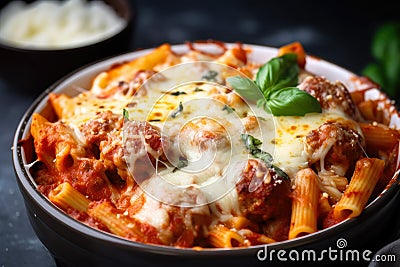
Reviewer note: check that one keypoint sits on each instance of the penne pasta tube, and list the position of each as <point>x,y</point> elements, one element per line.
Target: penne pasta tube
<point>340,182</point>
<point>323,205</point>
<point>125,71</point>
<point>379,136</point>
<point>366,174</point>
<point>63,159</point>
<point>149,61</point>
<point>369,111</point>
<point>117,223</point>
<point>62,105</point>
<point>39,127</point>
<point>305,204</point>
<point>38,124</point>
<point>296,48</point>
<point>265,239</point>
<point>223,237</point>
<point>66,196</point>
<point>238,222</point>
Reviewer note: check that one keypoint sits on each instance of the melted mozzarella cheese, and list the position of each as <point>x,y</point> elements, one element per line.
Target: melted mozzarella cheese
<point>210,140</point>
<point>287,144</point>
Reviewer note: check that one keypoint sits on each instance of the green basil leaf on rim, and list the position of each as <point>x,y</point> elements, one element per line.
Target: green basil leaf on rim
<point>292,101</point>
<point>278,73</point>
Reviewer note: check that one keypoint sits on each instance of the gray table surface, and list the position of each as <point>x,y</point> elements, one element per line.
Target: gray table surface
<point>337,31</point>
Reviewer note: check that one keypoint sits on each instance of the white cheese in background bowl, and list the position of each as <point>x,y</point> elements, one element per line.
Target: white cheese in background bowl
<point>46,24</point>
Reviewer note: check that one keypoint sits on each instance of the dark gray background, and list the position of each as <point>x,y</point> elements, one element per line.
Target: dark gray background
<point>338,31</point>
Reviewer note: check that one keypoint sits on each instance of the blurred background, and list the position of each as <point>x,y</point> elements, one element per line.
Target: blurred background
<point>341,32</point>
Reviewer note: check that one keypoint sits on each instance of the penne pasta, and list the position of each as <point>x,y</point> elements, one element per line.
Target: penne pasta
<point>369,111</point>
<point>223,237</point>
<point>65,196</point>
<point>185,160</point>
<point>379,136</point>
<point>63,158</point>
<point>39,127</point>
<point>367,173</point>
<point>340,182</point>
<point>62,105</point>
<point>124,72</point>
<point>305,204</point>
<point>265,239</point>
<point>117,223</point>
<point>296,48</point>
<point>324,207</point>
<point>104,213</point>
<point>238,222</point>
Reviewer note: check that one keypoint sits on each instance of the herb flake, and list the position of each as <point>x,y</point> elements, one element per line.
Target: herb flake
<point>178,111</point>
<point>210,76</point>
<point>125,113</point>
<point>182,163</point>
<point>176,93</point>
<point>229,109</point>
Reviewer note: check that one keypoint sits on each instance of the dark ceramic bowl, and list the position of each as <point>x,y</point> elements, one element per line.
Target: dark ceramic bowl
<point>34,70</point>
<point>72,243</point>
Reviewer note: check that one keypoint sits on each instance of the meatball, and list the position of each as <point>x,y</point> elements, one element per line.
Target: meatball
<point>143,144</point>
<point>99,128</point>
<point>265,201</point>
<point>202,135</point>
<point>331,96</point>
<point>336,146</point>
<point>137,131</point>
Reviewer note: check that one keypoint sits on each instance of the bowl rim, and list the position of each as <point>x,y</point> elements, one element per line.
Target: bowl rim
<point>25,182</point>
<point>128,18</point>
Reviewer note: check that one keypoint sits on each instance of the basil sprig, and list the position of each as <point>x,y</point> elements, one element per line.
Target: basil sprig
<point>252,145</point>
<point>385,67</point>
<point>275,88</point>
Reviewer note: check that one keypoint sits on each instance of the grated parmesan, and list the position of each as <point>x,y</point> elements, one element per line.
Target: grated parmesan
<point>57,24</point>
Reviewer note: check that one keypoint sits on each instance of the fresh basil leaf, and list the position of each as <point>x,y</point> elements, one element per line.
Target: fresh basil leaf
<point>245,87</point>
<point>274,88</point>
<point>262,103</point>
<point>292,101</point>
<point>278,73</point>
